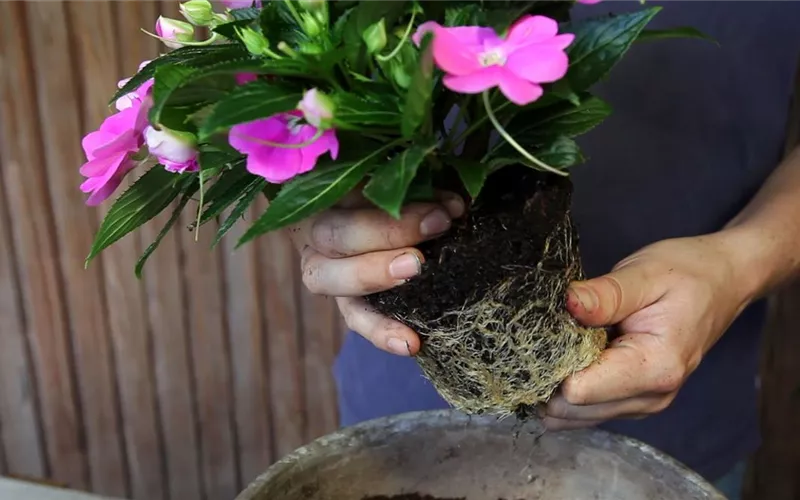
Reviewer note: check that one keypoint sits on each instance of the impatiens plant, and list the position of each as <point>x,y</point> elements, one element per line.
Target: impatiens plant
<point>306,101</point>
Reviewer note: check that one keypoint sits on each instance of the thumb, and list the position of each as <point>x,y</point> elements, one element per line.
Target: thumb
<point>609,299</point>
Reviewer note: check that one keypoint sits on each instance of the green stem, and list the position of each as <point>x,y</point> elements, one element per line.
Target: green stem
<point>294,12</point>
<point>402,41</point>
<point>478,123</point>
<point>510,140</point>
<point>199,43</point>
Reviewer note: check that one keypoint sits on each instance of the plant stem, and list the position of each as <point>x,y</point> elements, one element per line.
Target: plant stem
<point>294,12</point>
<point>200,206</point>
<point>510,140</point>
<point>402,41</point>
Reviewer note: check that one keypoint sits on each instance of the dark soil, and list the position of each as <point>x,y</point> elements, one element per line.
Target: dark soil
<point>505,228</point>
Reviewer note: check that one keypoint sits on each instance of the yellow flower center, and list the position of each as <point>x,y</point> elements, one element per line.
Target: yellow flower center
<point>493,57</point>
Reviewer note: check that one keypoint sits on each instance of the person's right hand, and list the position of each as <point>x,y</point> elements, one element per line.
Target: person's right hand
<point>356,249</point>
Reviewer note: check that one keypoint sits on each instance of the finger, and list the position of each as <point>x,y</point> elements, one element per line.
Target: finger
<point>344,232</point>
<point>384,333</point>
<point>634,365</point>
<point>559,407</point>
<point>611,298</point>
<point>558,424</point>
<point>361,274</point>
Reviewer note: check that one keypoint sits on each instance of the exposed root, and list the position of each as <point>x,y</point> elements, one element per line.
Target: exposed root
<point>508,350</point>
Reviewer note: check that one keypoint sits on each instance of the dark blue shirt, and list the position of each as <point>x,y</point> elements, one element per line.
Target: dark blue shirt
<point>696,129</point>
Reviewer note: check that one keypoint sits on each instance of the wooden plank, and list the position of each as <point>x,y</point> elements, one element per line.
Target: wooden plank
<point>36,241</point>
<point>20,438</point>
<point>319,331</point>
<point>248,353</point>
<point>281,310</point>
<point>211,362</point>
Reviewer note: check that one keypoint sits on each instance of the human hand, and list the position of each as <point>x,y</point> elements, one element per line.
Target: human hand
<point>356,249</point>
<point>670,302</point>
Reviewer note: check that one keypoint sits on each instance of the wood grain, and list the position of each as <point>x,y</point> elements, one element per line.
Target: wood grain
<point>249,355</point>
<point>211,362</point>
<point>20,439</point>
<point>40,279</point>
<point>281,311</point>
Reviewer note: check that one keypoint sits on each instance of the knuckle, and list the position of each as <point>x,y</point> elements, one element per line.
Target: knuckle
<point>368,277</point>
<point>327,234</point>
<point>312,278</point>
<point>671,376</point>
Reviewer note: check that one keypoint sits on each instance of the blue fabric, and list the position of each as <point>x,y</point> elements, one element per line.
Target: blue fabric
<point>732,484</point>
<point>695,131</point>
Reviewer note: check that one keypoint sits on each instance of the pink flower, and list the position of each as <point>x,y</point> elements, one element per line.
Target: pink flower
<point>175,150</point>
<point>240,4</point>
<point>282,146</point>
<point>476,59</point>
<point>174,33</point>
<point>110,150</point>
<point>242,78</point>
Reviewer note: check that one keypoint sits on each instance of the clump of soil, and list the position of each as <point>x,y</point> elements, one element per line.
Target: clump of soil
<point>490,302</point>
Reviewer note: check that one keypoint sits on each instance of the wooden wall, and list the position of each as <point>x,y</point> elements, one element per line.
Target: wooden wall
<point>182,386</point>
<point>189,383</point>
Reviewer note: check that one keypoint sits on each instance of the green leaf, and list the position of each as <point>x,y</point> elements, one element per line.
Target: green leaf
<point>679,32</point>
<point>389,183</point>
<point>245,14</point>
<point>225,192</point>
<point>355,111</point>
<point>249,102</point>
<point>369,13</point>
<point>462,15</point>
<point>417,107</point>
<point>186,194</point>
<point>246,198</point>
<point>186,56</point>
<point>421,188</point>
<point>279,25</point>
<point>145,199</point>
<point>312,192</point>
<point>600,43</point>
<point>167,80</point>
<point>561,153</point>
<point>229,30</point>
<point>472,173</point>
<point>542,125</point>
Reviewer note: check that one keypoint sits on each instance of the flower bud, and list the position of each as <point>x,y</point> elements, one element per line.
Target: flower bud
<point>175,150</point>
<point>173,32</point>
<point>312,5</point>
<point>317,109</point>
<point>310,24</point>
<point>198,12</point>
<point>375,37</point>
<point>256,43</point>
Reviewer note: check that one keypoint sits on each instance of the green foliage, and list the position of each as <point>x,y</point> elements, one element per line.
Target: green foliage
<point>389,107</point>
<point>145,199</point>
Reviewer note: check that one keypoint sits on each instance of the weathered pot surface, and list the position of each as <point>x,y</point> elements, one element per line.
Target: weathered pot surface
<point>447,454</point>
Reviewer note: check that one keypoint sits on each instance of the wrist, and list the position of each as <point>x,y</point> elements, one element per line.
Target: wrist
<point>760,260</point>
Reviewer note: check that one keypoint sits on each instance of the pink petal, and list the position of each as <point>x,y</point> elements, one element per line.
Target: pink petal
<point>538,63</point>
<point>242,78</point>
<point>278,165</point>
<point>325,143</point>
<point>531,29</point>
<point>101,187</point>
<point>517,90</point>
<point>99,166</point>
<point>457,55</point>
<point>426,27</point>
<point>474,83</point>
<point>245,137</point>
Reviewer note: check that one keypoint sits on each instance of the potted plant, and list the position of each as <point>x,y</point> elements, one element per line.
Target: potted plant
<point>305,101</point>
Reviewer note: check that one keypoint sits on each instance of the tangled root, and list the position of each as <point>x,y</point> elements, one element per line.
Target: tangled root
<point>505,352</point>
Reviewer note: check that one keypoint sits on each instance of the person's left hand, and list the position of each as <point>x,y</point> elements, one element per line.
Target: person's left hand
<point>670,302</point>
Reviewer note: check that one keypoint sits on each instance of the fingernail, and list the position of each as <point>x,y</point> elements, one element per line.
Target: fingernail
<point>398,346</point>
<point>585,296</point>
<point>435,223</point>
<point>405,266</point>
<point>454,205</point>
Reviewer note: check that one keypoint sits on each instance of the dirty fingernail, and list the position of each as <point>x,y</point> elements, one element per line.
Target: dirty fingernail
<point>435,223</point>
<point>585,296</point>
<point>405,266</point>
<point>398,346</point>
